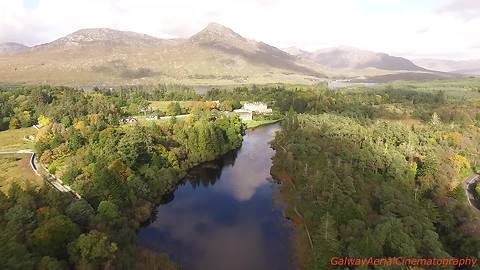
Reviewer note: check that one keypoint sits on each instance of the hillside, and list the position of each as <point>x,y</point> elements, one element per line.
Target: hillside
<point>462,67</point>
<point>352,58</point>
<point>11,47</point>
<point>215,55</point>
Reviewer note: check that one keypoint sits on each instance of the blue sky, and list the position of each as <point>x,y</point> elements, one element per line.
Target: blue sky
<point>30,4</point>
<point>415,29</point>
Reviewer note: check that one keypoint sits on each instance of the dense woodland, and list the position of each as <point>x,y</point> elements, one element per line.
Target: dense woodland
<point>366,171</point>
<point>121,172</point>
<point>380,173</point>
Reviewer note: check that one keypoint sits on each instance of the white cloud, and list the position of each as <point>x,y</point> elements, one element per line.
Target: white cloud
<point>465,9</point>
<point>407,28</point>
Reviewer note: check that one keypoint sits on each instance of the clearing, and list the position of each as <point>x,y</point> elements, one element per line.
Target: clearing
<point>16,139</point>
<point>16,168</point>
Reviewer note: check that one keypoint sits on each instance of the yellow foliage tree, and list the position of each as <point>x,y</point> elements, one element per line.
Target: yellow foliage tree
<point>461,164</point>
<point>80,125</point>
<point>44,121</point>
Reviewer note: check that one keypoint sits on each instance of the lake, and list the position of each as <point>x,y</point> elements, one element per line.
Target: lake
<point>226,214</point>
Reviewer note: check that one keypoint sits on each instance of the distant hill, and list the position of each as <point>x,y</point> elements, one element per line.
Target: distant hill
<point>103,37</point>
<point>352,58</point>
<point>215,55</point>
<point>11,47</point>
<point>102,56</point>
<point>462,67</point>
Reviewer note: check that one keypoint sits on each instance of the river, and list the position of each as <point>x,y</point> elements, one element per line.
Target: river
<point>223,216</point>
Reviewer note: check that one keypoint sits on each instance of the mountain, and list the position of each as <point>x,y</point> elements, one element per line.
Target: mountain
<point>105,57</point>
<point>103,37</point>
<point>352,58</point>
<point>215,55</point>
<point>221,38</point>
<point>462,67</point>
<point>12,47</point>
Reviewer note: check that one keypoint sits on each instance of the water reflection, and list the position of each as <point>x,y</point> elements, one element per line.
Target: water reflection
<point>223,216</point>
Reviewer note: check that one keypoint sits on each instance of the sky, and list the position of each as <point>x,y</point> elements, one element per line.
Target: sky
<point>411,28</point>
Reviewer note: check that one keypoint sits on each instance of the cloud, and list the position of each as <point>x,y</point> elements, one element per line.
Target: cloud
<point>391,26</point>
<point>465,9</point>
<point>475,45</point>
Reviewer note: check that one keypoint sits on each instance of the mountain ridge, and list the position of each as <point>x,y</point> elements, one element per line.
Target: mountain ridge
<point>12,47</point>
<point>469,67</point>
<point>216,54</point>
<point>354,58</point>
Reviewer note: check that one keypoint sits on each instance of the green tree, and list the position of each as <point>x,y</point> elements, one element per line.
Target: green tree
<point>49,263</point>
<point>14,255</point>
<point>52,236</point>
<point>108,212</point>
<point>174,108</point>
<point>80,212</point>
<point>92,251</point>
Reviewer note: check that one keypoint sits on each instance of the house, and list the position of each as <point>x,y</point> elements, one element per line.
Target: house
<point>128,120</point>
<point>257,107</point>
<point>245,115</point>
<point>151,117</point>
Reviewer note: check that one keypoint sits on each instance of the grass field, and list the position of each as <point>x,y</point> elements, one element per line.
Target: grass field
<point>16,168</point>
<point>162,105</point>
<point>256,123</point>
<point>15,139</point>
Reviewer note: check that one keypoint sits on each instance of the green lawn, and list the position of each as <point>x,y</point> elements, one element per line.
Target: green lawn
<point>162,105</point>
<point>15,139</point>
<point>256,123</point>
<point>16,168</point>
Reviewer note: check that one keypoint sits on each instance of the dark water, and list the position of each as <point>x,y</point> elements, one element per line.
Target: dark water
<point>223,217</point>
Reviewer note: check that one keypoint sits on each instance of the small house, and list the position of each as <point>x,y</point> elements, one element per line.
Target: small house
<point>151,117</point>
<point>128,120</point>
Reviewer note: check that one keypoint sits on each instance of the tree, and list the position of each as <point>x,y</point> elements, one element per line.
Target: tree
<point>66,121</point>
<point>226,106</point>
<point>44,121</point>
<point>92,250</point>
<point>80,212</point>
<point>107,212</point>
<point>135,147</point>
<point>49,263</point>
<point>14,255</point>
<point>174,108</point>
<point>52,236</point>
<point>75,140</point>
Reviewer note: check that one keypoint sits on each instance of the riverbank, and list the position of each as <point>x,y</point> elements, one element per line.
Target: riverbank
<point>252,124</point>
<point>301,241</point>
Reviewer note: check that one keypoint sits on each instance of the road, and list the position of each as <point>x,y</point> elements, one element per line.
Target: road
<point>469,188</point>
<point>176,116</point>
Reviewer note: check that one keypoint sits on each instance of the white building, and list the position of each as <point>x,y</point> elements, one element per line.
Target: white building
<point>151,117</point>
<point>245,115</point>
<point>257,107</point>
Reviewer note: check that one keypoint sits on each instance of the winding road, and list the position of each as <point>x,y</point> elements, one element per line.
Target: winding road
<point>469,187</point>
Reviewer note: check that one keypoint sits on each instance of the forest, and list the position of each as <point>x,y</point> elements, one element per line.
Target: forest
<point>120,171</point>
<point>380,173</point>
<point>372,171</point>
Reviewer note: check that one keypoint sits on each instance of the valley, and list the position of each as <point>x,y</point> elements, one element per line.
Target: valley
<point>239,135</point>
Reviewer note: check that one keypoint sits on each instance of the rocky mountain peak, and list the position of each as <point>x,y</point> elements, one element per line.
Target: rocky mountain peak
<point>106,36</point>
<point>215,32</point>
